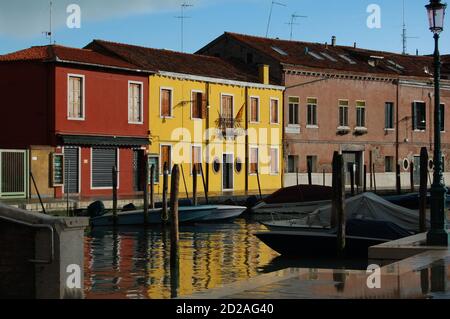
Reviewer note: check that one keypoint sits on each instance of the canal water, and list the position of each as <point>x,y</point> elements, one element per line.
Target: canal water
<point>134,262</point>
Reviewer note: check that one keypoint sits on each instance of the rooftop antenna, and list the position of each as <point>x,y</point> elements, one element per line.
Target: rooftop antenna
<point>270,14</point>
<point>292,22</point>
<point>404,33</point>
<point>182,17</point>
<point>49,34</point>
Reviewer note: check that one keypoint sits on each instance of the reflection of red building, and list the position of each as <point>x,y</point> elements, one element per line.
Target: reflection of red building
<point>74,101</point>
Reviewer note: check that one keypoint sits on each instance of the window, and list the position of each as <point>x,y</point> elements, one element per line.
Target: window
<point>166,103</point>
<point>294,105</point>
<point>227,109</point>
<point>312,112</point>
<point>274,112</point>
<point>311,162</point>
<point>279,51</point>
<point>442,118</point>
<point>153,161</point>
<point>166,157</point>
<point>274,167</point>
<point>292,166</point>
<point>196,159</point>
<point>361,114</point>
<point>389,164</point>
<point>76,98</point>
<point>254,109</point>
<point>419,116</point>
<point>389,115</point>
<point>103,160</point>
<point>135,103</point>
<point>253,160</point>
<point>343,113</point>
<point>198,105</point>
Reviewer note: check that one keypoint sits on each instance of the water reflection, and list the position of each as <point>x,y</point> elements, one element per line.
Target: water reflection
<point>135,263</point>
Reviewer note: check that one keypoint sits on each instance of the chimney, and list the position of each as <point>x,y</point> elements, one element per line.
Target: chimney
<point>354,45</point>
<point>264,71</point>
<point>333,41</point>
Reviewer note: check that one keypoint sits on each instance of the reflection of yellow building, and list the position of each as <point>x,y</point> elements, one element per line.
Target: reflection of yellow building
<point>200,109</point>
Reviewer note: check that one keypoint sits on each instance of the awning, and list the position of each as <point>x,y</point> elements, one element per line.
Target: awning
<point>104,140</point>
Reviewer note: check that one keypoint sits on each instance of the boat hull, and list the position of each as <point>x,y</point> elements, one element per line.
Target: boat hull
<point>313,244</point>
<point>289,208</point>
<point>223,213</point>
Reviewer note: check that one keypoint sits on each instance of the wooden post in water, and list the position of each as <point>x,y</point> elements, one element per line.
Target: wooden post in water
<point>114,190</point>
<point>374,178</point>
<point>259,184</point>
<point>152,187</point>
<point>165,190</point>
<point>423,190</point>
<point>205,187</point>
<point>398,181</point>
<point>324,179</point>
<point>184,182</point>
<point>145,184</point>
<point>371,170</point>
<point>411,177</point>
<point>309,173</point>
<point>296,174</point>
<point>352,181</point>
<point>174,227</point>
<point>338,209</point>
<point>365,179</point>
<point>194,186</point>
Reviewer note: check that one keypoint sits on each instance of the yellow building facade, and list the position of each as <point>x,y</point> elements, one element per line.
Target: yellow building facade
<point>232,129</point>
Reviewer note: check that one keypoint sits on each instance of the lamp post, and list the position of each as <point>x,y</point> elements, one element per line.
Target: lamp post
<point>437,235</point>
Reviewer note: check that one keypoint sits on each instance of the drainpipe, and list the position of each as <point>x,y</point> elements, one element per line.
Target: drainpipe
<point>208,136</point>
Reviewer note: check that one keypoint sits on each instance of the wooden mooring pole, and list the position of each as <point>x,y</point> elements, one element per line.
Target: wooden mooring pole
<point>165,190</point>
<point>309,173</point>
<point>114,190</point>
<point>338,203</point>
<point>352,181</point>
<point>411,177</point>
<point>184,182</point>
<point>145,184</point>
<point>174,233</point>
<point>205,187</point>
<point>259,184</point>
<point>423,190</point>
<point>296,174</point>
<point>398,181</point>
<point>324,178</point>
<point>374,178</point>
<point>194,186</point>
<point>365,179</point>
<point>152,187</point>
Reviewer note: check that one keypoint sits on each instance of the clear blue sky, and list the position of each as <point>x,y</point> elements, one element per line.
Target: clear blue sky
<point>153,23</point>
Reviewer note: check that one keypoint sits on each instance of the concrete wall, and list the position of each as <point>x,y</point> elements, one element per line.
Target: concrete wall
<point>30,265</point>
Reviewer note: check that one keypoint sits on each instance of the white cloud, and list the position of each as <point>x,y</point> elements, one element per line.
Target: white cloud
<point>31,17</point>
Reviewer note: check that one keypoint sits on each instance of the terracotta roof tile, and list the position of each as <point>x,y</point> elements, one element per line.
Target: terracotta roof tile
<point>53,53</point>
<point>342,58</point>
<point>176,62</point>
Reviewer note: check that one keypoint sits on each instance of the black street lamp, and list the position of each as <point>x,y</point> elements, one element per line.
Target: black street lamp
<point>437,235</point>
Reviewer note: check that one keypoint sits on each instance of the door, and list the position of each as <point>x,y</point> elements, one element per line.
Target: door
<point>228,178</point>
<point>71,170</point>
<point>13,174</point>
<point>138,163</point>
<point>353,161</point>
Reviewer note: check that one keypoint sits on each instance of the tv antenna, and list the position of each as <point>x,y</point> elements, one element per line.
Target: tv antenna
<point>270,14</point>
<point>49,34</point>
<point>405,36</point>
<point>182,17</point>
<point>292,22</point>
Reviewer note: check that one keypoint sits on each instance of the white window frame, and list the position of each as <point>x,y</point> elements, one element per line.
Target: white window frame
<point>289,110</point>
<point>118,170</point>
<point>221,103</point>
<point>192,105</point>
<point>278,110</point>
<point>250,110</point>
<point>201,157</point>
<point>250,148</point>
<point>161,164</point>
<point>83,96</point>
<point>79,168</point>
<point>416,130</point>
<point>233,170</point>
<point>141,111</point>
<point>339,112</point>
<point>274,147</point>
<point>393,116</point>
<point>171,102</point>
<point>365,113</point>
<point>317,115</point>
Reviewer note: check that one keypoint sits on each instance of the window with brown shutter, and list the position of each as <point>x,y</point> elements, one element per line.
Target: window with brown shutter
<point>253,160</point>
<point>135,103</point>
<point>254,109</point>
<point>76,107</point>
<point>166,157</point>
<point>197,105</point>
<point>227,110</point>
<point>166,103</point>
<point>274,112</point>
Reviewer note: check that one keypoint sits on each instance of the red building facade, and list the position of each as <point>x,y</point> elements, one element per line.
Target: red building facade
<point>87,106</point>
